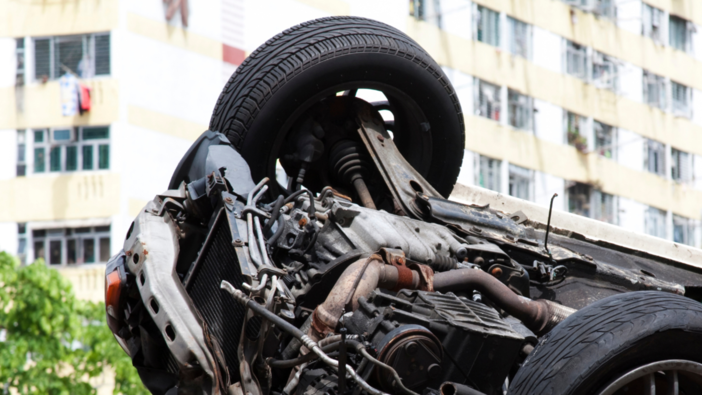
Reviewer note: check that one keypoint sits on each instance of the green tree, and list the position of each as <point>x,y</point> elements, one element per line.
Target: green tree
<point>50,342</point>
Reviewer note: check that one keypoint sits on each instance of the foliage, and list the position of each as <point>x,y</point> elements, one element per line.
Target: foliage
<point>50,342</point>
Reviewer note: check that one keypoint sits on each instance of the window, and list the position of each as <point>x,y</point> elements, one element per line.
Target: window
<point>654,222</point>
<point>20,56</point>
<point>487,103</point>
<point>599,7</point>
<point>679,34</point>
<point>604,71</point>
<point>682,97</point>
<point>21,153</point>
<point>84,55</point>
<point>654,90</point>
<point>521,182</point>
<point>520,38</point>
<point>417,9</point>
<point>683,230</point>
<point>652,23</point>
<point>603,207</point>
<point>488,174</point>
<point>579,198</point>
<point>576,60</point>
<point>520,109</point>
<point>84,148</point>
<point>681,166</point>
<point>575,131</point>
<point>71,246</point>
<point>654,157</point>
<point>22,242</point>
<point>605,140</point>
<point>488,26</point>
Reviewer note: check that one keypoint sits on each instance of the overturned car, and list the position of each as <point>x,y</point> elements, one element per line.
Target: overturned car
<point>355,274</point>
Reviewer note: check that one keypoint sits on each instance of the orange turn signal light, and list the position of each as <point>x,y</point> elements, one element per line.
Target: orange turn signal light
<point>113,289</point>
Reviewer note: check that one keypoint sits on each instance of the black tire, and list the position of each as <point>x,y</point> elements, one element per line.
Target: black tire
<point>305,63</point>
<point>609,338</point>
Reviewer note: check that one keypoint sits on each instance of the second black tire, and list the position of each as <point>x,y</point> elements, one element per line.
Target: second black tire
<point>609,338</point>
<point>310,61</point>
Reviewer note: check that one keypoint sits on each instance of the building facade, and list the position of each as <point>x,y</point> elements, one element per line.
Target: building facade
<point>596,100</point>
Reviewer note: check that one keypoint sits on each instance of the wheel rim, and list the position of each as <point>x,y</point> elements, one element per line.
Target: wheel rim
<point>399,100</point>
<point>669,377</point>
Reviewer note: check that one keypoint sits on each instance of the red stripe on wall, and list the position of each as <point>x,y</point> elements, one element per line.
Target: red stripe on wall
<point>232,55</point>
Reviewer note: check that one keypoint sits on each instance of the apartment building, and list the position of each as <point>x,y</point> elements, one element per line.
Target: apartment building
<point>598,101</point>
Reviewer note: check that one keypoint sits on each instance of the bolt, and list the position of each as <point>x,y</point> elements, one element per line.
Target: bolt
<point>238,242</point>
<point>302,222</point>
<point>411,348</point>
<point>497,272</point>
<point>401,260</point>
<point>434,370</point>
<point>381,138</point>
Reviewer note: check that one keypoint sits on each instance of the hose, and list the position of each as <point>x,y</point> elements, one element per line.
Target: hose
<point>274,214</point>
<point>398,380</point>
<point>310,209</point>
<point>291,329</point>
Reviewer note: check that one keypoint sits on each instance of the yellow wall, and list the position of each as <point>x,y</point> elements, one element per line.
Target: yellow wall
<point>524,149</point>
<point>604,36</point>
<point>42,105</point>
<point>490,64</point>
<point>688,9</point>
<point>20,18</point>
<point>53,197</point>
<point>179,37</point>
<point>164,123</point>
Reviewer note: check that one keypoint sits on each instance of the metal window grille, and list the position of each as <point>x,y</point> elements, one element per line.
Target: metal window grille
<point>654,157</point>
<point>575,131</point>
<point>488,100</point>
<point>576,60</point>
<point>655,222</point>
<point>654,90</point>
<point>681,168</point>
<point>20,74</point>
<point>21,153</point>
<point>66,150</point>
<point>488,26</point>
<point>652,23</point>
<point>604,8</point>
<point>519,38</point>
<point>488,174</point>
<point>417,9</point>
<point>683,230</point>
<point>678,33</point>
<point>521,182</point>
<point>604,71</point>
<point>22,242</point>
<point>605,140</point>
<point>604,207</point>
<point>85,55</point>
<point>72,246</point>
<point>521,110</point>
<point>579,199</point>
<point>681,96</point>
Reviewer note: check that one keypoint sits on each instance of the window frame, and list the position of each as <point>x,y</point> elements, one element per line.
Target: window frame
<point>94,233</point>
<point>605,140</point>
<point>681,108</point>
<point>520,110</point>
<point>655,223</point>
<point>655,163</point>
<point>89,50</point>
<point>481,14</point>
<point>521,182</point>
<point>526,33</point>
<point>490,109</point>
<point>574,51</point>
<point>77,140</point>
<point>488,172</point>
<point>674,23</point>
<point>659,97</point>
<point>605,71</point>
<point>682,166</point>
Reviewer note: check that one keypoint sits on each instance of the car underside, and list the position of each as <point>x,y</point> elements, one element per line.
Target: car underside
<point>355,274</point>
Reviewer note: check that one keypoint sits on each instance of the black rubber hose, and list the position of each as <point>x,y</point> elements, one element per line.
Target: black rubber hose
<point>310,209</point>
<point>278,232</point>
<point>274,214</point>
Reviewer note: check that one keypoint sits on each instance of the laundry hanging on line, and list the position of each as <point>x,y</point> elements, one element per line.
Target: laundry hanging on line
<point>75,97</point>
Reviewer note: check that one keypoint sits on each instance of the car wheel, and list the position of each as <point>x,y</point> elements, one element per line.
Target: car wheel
<point>300,67</point>
<point>633,343</point>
